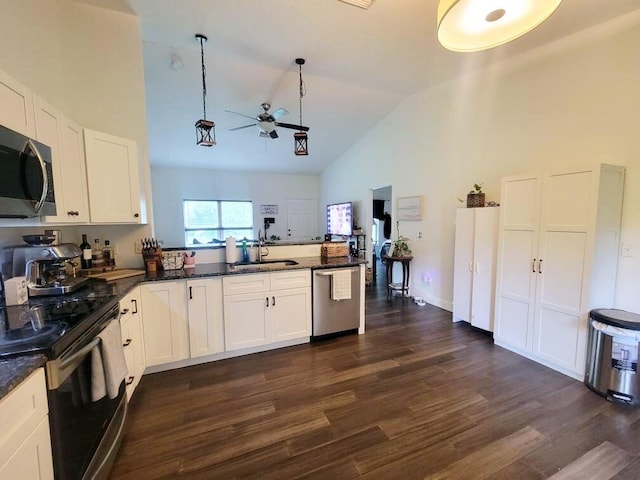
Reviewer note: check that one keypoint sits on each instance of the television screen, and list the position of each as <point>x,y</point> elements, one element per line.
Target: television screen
<point>340,219</point>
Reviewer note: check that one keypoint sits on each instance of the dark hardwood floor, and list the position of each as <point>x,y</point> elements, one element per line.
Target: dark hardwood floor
<point>414,397</point>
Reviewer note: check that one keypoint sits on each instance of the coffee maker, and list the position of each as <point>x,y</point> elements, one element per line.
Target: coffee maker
<point>48,269</point>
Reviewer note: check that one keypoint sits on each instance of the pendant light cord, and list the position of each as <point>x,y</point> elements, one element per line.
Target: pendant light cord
<point>302,92</point>
<point>204,82</point>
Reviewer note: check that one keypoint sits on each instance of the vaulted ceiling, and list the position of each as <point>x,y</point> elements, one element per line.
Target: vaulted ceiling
<point>359,65</point>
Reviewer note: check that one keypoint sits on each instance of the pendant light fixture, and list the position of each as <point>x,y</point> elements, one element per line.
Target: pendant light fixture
<point>300,138</point>
<point>205,129</point>
<point>474,25</point>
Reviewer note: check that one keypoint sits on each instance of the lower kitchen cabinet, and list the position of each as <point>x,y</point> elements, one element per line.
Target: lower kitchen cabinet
<point>164,319</point>
<point>204,308</point>
<point>264,308</point>
<point>132,339</point>
<point>25,444</point>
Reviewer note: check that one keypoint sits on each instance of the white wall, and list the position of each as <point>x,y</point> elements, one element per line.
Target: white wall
<point>173,185</point>
<point>574,102</point>
<point>87,62</point>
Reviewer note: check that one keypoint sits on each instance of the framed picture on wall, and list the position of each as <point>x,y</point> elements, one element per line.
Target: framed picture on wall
<point>410,208</point>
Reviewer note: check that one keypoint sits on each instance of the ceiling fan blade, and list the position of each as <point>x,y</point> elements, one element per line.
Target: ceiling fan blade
<point>241,114</point>
<point>293,127</point>
<point>273,134</point>
<point>243,126</point>
<point>279,113</point>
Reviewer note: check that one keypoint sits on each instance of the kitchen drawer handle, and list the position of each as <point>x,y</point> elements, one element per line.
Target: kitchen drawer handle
<point>273,301</point>
<point>135,305</point>
<point>127,342</point>
<point>190,293</point>
<point>130,381</point>
<point>124,312</point>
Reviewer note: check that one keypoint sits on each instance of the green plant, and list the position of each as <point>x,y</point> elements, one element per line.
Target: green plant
<point>400,245</point>
<point>477,188</point>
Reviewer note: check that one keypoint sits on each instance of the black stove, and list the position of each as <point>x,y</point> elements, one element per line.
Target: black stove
<point>49,325</point>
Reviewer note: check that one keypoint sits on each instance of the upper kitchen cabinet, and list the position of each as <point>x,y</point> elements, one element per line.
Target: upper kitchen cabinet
<point>69,178</point>
<point>112,178</point>
<point>16,106</point>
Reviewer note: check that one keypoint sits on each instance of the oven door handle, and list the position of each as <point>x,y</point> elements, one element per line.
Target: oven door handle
<point>65,362</point>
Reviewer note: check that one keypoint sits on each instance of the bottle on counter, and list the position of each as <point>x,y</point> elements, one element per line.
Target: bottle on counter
<point>108,255</point>
<point>86,257</point>
<point>245,251</point>
<point>96,254</point>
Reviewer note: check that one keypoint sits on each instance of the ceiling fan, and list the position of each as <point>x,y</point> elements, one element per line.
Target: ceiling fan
<point>267,122</point>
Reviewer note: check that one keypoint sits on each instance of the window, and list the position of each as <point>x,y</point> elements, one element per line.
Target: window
<point>212,221</point>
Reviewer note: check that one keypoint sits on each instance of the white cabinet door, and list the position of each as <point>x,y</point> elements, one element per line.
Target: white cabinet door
<point>476,243</point>
<point>16,106</point>
<point>32,459</point>
<point>204,303</point>
<point>463,264</point>
<point>246,320</point>
<point>71,188</point>
<point>25,445</point>
<point>164,317</point>
<point>290,312</point>
<point>112,178</point>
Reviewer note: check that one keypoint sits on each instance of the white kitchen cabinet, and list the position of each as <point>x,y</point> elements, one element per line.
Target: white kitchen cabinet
<point>557,259</point>
<point>164,319</point>
<point>132,339</point>
<point>265,308</point>
<point>16,106</point>
<point>204,305</point>
<point>67,151</point>
<point>25,444</point>
<point>476,243</point>
<point>112,178</point>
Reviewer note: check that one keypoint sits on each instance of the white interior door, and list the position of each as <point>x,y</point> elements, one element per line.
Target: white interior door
<point>301,218</point>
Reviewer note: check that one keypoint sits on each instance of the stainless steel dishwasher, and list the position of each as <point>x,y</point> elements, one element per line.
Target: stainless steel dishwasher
<point>335,316</point>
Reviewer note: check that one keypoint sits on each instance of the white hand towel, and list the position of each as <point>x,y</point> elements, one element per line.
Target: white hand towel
<point>110,356</point>
<point>341,284</point>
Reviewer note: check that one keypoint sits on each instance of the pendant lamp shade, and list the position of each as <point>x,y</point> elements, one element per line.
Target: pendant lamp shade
<point>473,25</point>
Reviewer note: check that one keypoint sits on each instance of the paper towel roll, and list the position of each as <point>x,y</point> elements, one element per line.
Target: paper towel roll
<point>230,250</point>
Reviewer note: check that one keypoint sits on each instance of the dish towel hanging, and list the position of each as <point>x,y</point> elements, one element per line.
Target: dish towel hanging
<point>341,284</point>
<point>108,365</point>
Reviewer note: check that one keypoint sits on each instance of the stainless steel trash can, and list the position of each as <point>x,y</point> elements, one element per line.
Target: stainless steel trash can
<point>612,356</point>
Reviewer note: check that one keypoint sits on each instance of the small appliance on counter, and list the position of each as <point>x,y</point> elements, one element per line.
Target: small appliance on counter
<point>48,269</point>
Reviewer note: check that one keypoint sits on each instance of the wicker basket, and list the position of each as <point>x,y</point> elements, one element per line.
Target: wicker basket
<point>475,200</point>
<point>334,249</point>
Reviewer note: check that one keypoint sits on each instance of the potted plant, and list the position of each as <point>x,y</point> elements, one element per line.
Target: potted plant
<point>475,198</point>
<point>400,245</point>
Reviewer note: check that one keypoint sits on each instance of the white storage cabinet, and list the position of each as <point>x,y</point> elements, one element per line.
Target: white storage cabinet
<point>557,259</point>
<point>476,245</point>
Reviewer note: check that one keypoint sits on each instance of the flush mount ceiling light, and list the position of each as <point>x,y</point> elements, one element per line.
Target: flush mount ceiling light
<point>205,129</point>
<point>359,3</point>
<point>300,138</point>
<point>473,25</point>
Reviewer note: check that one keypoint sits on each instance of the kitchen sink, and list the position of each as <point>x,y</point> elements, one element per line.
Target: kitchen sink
<point>263,263</point>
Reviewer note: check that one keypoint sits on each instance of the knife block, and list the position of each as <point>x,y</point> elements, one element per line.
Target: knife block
<point>153,261</point>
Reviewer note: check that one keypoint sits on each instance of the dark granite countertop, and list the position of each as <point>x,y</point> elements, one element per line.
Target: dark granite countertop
<point>14,370</point>
<point>270,265</point>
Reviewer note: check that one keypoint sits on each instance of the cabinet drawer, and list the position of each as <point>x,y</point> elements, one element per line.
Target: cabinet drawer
<point>290,279</point>
<point>246,283</point>
<point>20,413</point>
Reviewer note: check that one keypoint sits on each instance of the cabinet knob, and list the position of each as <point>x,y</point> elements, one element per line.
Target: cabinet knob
<point>136,215</point>
<point>124,312</point>
<point>129,381</point>
<point>127,342</point>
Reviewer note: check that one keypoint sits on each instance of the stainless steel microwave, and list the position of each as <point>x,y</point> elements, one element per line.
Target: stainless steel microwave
<point>26,177</point>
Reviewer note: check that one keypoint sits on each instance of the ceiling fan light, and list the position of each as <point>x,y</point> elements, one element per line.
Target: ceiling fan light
<point>474,25</point>
<point>205,133</point>
<point>301,143</point>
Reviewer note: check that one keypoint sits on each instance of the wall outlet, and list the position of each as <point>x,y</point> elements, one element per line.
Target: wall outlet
<point>419,234</point>
<point>137,246</point>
